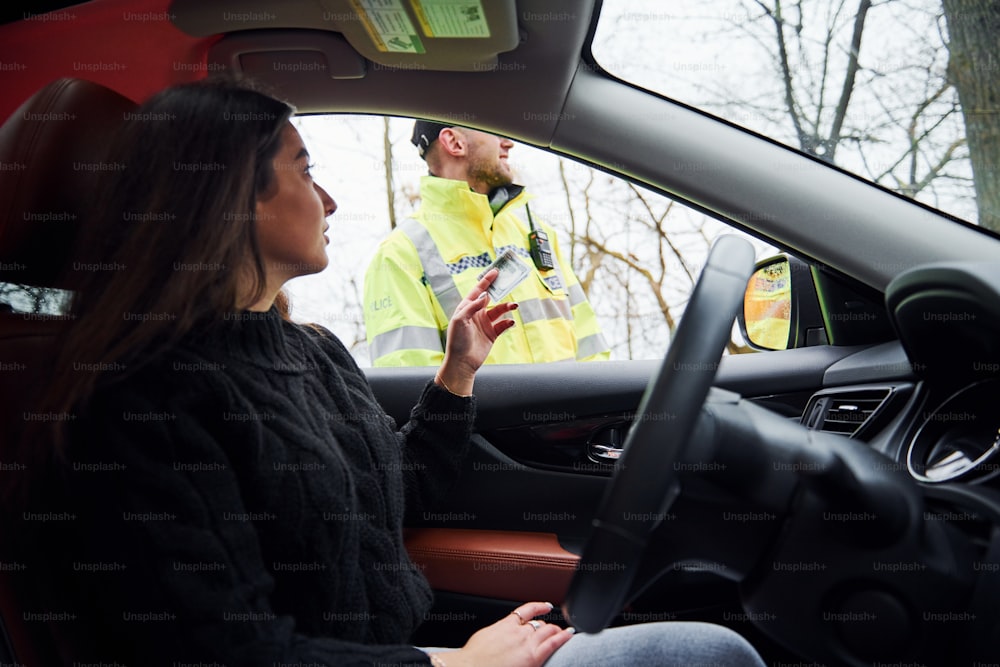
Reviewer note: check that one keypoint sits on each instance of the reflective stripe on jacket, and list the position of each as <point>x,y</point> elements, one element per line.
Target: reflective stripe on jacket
<point>428,264</point>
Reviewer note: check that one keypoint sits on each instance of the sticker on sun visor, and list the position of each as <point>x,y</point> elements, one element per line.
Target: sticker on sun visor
<point>451,18</point>
<point>389,25</point>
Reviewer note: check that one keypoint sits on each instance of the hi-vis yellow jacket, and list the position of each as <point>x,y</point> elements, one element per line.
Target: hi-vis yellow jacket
<point>429,263</point>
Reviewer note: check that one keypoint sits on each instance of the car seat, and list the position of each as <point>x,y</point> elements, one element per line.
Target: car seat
<point>51,152</point>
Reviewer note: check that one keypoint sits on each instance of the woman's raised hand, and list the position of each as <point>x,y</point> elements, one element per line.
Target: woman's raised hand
<point>471,332</point>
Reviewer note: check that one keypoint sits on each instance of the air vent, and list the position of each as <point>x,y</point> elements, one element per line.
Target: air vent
<point>844,412</point>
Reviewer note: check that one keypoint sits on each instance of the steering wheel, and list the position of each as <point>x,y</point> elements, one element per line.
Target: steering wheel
<point>645,483</point>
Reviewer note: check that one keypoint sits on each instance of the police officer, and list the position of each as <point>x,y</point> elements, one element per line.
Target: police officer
<point>471,212</point>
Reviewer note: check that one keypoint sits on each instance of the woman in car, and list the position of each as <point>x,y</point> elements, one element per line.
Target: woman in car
<point>234,493</point>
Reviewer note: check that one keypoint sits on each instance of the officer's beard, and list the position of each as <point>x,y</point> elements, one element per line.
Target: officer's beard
<point>489,172</point>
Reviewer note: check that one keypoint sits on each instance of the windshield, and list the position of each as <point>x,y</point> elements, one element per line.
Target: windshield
<point>903,94</point>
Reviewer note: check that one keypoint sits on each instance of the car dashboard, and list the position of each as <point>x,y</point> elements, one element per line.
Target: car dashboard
<point>917,414</point>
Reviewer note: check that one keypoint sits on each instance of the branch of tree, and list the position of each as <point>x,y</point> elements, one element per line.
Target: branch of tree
<point>655,285</point>
<point>786,71</point>
<point>852,70</point>
<point>662,234</point>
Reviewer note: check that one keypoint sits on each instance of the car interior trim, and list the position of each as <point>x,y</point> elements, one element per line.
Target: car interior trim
<point>497,564</point>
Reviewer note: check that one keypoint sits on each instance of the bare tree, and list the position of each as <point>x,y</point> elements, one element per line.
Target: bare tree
<point>916,141</point>
<point>636,254</point>
<point>390,188</point>
<point>864,84</point>
<point>974,69</point>
<point>812,137</point>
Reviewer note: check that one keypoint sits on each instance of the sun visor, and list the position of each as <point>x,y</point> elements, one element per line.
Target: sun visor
<point>302,53</point>
<point>444,35</point>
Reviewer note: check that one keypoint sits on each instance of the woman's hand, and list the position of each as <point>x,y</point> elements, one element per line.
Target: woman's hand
<point>514,641</point>
<point>471,332</point>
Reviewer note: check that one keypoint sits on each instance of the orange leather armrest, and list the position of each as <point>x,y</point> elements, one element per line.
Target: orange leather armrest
<point>506,565</point>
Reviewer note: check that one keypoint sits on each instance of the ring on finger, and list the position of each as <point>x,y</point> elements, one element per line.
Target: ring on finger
<point>520,619</point>
<point>535,624</point>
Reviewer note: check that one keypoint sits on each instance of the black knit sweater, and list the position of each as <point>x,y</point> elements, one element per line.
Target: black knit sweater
<point>241,501</point>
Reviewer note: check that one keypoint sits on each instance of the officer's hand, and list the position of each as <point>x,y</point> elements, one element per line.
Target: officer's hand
<point>471,332</point>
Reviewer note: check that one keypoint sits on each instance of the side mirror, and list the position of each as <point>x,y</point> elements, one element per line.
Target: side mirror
<point>767,305</point>
<point>780,306</point>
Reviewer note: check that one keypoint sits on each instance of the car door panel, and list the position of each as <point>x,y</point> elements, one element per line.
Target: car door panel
<point>529,478</point>
<point>515,394</point>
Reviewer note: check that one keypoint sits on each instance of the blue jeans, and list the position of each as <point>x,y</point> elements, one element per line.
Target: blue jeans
<point>668,644</point>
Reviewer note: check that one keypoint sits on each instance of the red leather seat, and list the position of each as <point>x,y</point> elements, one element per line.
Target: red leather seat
<point>51,158</point>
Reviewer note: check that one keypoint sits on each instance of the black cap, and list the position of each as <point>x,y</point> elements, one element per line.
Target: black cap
<point>425,133</point>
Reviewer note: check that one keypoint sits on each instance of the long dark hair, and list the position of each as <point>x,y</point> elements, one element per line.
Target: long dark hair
<point>176,246</point>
